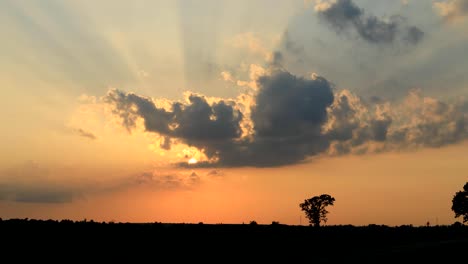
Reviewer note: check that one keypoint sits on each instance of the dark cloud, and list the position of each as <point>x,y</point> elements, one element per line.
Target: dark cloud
<point>166,143</point>
<point>414,35</point>
<point>201,121</point>
<point>156,119</point>
<point>41,196</point>
<point>195,121</point>
<point>86,134</point>
<point>277,59</point>
<point>294,118</point>
<point>288,106</point>
<point>343,15</point>
<point>287,118</point>
<point>379,128</point>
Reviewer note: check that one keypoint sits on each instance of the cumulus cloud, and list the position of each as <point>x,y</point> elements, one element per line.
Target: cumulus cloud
<point>343,15</point>
<point>452,9</point>
<point>195,120</point>
<point>287,105</point>
<point>293,118</point>
<point>357,126</point>
<point>287,115</point>
<point>255,71</point>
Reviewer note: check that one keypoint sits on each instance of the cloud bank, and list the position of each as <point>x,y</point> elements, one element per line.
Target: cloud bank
<point>287,118</point>
<point>29,183</point>
<point>356,126</point>
<point>294,118</point>
<point>343,15</point>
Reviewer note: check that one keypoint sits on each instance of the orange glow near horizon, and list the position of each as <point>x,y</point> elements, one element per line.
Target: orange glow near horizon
<point>368,190</point>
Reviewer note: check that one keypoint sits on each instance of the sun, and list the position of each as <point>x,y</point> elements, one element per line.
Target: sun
<point>192,161</point>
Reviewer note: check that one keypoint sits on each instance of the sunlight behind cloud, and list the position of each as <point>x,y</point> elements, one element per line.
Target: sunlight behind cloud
<point>192,161</point>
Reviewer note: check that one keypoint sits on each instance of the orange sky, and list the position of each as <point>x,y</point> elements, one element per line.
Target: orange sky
<point>104,103</point>
<point>391,189</point>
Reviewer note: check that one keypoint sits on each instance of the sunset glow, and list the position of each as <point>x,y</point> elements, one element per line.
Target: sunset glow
<point>221,111</point>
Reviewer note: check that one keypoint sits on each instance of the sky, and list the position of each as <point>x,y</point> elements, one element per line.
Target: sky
<point>233,111</point>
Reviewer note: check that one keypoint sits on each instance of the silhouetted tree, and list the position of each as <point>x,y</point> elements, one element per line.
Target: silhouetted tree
<point>460,203</point>
<point>314,208</point>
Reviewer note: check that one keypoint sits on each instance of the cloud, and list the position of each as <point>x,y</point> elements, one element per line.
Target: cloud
<point>227,76</point>
<point>255,71</point>
<point>356,126</point>
<point>29,194</point>
<point>194,121</point>
<point>292,119</point>
<point>215,173</point>
<point>86,134</point>
<point>166,143</point>
<point>343,15</point>
<point>287,116</point>
<point>287,105</point>
<point>168,180</point>
<point>452,9</point>
<point>252,43</point>
<point>289,48</point>
<point>30,183</point>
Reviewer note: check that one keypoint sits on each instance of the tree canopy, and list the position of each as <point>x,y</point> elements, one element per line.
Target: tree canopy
<point>460,203</point>
<point>314,208</point>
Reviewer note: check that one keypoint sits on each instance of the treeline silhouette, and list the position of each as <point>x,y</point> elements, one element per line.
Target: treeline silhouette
<point>85,240</point>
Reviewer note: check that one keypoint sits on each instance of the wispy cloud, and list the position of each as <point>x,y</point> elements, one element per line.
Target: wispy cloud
<point>168,180</point>
<point>83,133</point>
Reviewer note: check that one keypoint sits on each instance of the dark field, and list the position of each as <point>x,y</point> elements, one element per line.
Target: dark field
<point>68,241</point>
